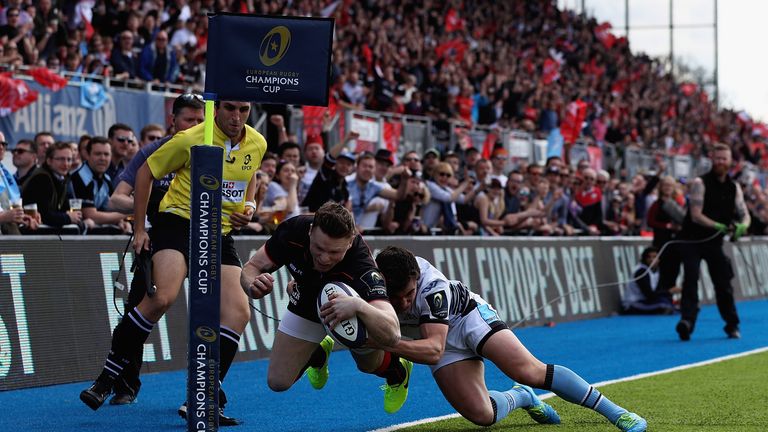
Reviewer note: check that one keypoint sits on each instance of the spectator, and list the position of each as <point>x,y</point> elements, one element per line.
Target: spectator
<point>499,159</point>
<point>158,61</point>
<point>588,198</point>
<point>150,133</point>
<point>490,206</point>
<point>43,140</point>
<point>314,154</point>
<point>330,183</point>
<point>363,190</point>
<point>48,188</point>
<point>25,160</point>
<point>666,217</point>
<point>125,64</point>
<point>291,152</point>
<point>92,184</point>
<point>404,217</point>
<point>121,139</point>
<point>443,201</point>
<point>269,165</point>
<point>641,296</point>
<point>282,192</point>
<point>429,162</point>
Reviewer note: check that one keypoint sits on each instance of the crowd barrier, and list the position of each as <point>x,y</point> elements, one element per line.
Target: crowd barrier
<point>58,303</point>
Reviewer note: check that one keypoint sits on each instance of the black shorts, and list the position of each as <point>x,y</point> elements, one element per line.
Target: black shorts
<point>172,232</point>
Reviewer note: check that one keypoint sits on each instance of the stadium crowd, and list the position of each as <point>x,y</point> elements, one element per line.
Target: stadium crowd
<point>516,65</point>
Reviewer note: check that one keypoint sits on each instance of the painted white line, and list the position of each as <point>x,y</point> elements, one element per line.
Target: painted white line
<point>600,384</point>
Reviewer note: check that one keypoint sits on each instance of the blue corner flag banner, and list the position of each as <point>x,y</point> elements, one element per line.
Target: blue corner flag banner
<point>280,60</point>
<point>204,289</point>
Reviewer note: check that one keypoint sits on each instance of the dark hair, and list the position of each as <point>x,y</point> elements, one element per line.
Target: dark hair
<point>648,251</point>
<point>721,147</point>
<point>116,127</point>
<point>287,146</point>
<point>269,155</point>
<point>188,100</point>
<point>58,145</point>
<point>335,220</point>
<point>32,145</point>
<point>95,140</point>
<point>399,266</point>
<point>43,133</point>
<point>279,167</point>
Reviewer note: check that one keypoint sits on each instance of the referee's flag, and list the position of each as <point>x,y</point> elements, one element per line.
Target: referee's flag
<point>280,60</point>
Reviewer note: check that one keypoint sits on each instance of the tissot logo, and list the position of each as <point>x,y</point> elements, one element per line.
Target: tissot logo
<point>274,45</point>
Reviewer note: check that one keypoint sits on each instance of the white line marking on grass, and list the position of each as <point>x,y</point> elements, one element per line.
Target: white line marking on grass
<point>600,384</point>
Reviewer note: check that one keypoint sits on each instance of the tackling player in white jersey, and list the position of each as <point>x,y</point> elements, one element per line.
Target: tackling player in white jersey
<point>453,329</point>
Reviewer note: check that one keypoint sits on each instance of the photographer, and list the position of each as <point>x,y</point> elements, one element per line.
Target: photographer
<point>404,217</point>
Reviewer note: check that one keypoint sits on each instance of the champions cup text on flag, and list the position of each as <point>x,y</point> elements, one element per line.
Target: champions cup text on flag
<point>281,60</point>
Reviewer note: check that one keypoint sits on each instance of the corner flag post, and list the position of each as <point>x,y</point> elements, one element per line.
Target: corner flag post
<point>204,280</point>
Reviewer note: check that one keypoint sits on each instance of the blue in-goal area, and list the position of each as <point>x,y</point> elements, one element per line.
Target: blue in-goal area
<point>599,350</point>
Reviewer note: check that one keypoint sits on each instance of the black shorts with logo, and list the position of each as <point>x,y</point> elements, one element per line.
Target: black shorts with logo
<point>171,231</point>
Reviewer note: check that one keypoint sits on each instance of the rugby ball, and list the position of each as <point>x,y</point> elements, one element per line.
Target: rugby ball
<point>350,333</point>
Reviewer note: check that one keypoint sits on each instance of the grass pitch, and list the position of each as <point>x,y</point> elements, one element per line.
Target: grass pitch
<point>728,396</point>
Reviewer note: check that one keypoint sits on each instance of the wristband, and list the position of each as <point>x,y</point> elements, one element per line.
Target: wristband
<point>251,204</point>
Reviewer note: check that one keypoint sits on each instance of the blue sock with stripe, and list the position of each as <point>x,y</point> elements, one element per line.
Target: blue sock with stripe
<point>571,387</point>
<point>506,402</point>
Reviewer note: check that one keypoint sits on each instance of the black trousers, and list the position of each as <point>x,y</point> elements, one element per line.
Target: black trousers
<point>721,271</point>
<point>669,269</point>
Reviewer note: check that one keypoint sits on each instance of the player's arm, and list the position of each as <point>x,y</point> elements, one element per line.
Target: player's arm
<point>378,316</point>
<point>427,350</point>
<point>255,278</point>
<point>697,205</point>
<point>122,198</point>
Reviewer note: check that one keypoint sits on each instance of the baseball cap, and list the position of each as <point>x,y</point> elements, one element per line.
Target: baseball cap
<point>347,155</point>
<point>385,156</point>
<point>432,151</point>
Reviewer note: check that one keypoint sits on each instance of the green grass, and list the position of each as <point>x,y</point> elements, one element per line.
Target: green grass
<point>726,396</point>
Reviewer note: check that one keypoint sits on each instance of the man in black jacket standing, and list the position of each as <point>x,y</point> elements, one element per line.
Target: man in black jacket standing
<point>716,206</point>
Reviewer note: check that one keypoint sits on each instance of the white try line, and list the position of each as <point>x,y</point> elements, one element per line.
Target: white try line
<point>599,384</point>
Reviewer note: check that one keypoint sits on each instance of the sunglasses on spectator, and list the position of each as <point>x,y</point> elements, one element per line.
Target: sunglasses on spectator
<point>4,143</point>
<point>13,15</point>
<point>189,97</point>
<point>124,139</point>
<point>153,137</point>
<point>19,151</point>
<point>564,175</point>
<point>444,174</point>
<point>589,178</point>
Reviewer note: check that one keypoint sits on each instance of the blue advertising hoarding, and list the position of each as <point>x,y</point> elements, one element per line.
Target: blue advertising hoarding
<point>62,114</point>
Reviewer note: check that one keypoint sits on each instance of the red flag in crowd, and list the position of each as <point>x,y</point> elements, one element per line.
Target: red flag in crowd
<point>603,34</point>
<point>575,114</point>
<point>490,141</point>
<point>14,94</point>
<point>392,133</point>
<point>551,72</point>
<point>453,50</point>
<point>47,78</point>
<point>452,21</point>
<point>688,88</point>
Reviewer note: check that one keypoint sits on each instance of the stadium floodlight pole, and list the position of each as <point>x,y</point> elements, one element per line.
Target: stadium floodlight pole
<point>204,280</point>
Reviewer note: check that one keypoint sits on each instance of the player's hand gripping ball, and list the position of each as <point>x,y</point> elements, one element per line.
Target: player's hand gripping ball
<point>351,332</point>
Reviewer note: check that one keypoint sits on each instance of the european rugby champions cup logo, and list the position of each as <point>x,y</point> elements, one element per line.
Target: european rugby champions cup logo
<point>268,77</point>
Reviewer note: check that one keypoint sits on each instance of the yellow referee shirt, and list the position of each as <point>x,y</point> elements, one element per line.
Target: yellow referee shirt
<point>243,159</point>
